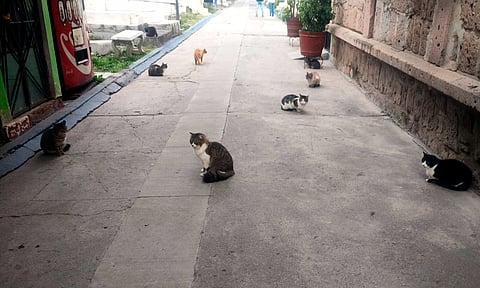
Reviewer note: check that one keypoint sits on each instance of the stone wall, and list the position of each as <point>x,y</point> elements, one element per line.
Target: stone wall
<point>350,14</point>
<point>447,126</point>
<point>420,62</point>
<point>444,32</point>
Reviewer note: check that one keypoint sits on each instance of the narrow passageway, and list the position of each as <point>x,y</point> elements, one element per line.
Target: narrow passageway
<point>334,196</point>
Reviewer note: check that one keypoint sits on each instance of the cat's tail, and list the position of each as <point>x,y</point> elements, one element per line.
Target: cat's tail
<point>66,147</point>
<point>462,186</point>
<point>213,175</point>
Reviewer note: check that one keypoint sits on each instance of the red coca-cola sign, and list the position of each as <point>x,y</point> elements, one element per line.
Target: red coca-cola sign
<point>72,43</point>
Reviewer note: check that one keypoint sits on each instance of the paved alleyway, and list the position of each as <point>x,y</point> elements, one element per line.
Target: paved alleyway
<point>332,197</point>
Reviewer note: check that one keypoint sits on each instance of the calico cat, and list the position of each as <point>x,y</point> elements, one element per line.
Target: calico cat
<point>157,70</point>
<point>198,55</point>
<point>311,63</point>
<point>293,102</point>
<point>53,140</point>
<point>313,79</point>
<point>449,173</point>
<point>217,161</point>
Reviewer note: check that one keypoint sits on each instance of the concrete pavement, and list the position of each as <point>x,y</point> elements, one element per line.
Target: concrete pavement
<point>332,197</point>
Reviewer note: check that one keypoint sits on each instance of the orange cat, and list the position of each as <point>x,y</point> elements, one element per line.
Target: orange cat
<point>198,55</point>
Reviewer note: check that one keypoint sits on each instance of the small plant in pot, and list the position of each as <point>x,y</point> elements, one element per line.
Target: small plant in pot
<point>314,16</point>
<point>293,22</point>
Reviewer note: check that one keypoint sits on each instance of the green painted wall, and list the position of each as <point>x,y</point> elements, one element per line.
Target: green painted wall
<point>5,114</point>
<point>51,59</point>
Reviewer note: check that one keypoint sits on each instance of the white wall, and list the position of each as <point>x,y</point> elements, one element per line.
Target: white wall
<point>135,12</point>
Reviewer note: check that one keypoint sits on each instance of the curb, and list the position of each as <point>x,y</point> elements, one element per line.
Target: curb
<point>15,153</point>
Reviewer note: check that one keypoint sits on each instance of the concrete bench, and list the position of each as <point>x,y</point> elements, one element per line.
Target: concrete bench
<point>131,39</point>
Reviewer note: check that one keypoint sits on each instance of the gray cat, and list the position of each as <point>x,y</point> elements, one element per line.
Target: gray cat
<point>217,161</point>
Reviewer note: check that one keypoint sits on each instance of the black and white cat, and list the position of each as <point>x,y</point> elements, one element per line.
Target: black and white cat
<point>449,173</point>
<point>292,102</point>
<point>217,161</point>
<point>157,70</point>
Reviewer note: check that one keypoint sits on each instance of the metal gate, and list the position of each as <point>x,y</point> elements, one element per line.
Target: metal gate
<point>22,59</point>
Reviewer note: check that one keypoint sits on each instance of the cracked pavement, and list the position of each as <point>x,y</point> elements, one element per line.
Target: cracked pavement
<point>332,197</point>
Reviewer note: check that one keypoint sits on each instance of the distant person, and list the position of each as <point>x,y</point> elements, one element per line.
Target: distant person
<point>259,5</point>
<point>271,6</point>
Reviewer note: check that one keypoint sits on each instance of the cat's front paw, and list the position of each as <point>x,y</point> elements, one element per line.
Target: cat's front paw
<point>203,171</point>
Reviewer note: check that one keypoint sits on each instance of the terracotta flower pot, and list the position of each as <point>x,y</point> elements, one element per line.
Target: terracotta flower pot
<point>312,43</point>
<point>293,26</point>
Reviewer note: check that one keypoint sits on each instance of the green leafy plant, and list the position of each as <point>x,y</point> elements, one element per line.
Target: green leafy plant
<point>98,78</point>
<point>110,63</point>
<point>188,19</point>
<point>315,14</point>
<point>292,8</point>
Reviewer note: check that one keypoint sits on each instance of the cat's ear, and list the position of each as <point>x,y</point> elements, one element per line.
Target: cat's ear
<point>191,134</point>
<point>64,122</point>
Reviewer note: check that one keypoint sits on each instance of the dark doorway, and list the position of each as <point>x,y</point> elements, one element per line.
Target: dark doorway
<point>22,58</point>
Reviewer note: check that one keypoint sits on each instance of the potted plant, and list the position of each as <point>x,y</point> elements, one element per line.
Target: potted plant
<point>314,16</point>
<point>293,22</point>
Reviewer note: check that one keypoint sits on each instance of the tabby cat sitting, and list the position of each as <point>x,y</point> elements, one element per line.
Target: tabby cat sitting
<point>54,140</point>
<point>449,173</point>
<point>217,161</point>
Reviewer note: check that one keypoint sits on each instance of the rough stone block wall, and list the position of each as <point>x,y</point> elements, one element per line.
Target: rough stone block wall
<point>468,56</point>
<point>393,19</point>
<point>420,26</point>
<point>448,127</point>
<point>350,14</point>
<point>445,32</point>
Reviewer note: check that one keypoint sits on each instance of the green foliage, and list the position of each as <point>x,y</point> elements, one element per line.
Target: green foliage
<point>315,14</point>
<point>292,6</point>
<point>188,19</point>
<point>110,63</point>
<point>98,78</point>
<point>285,14</point>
